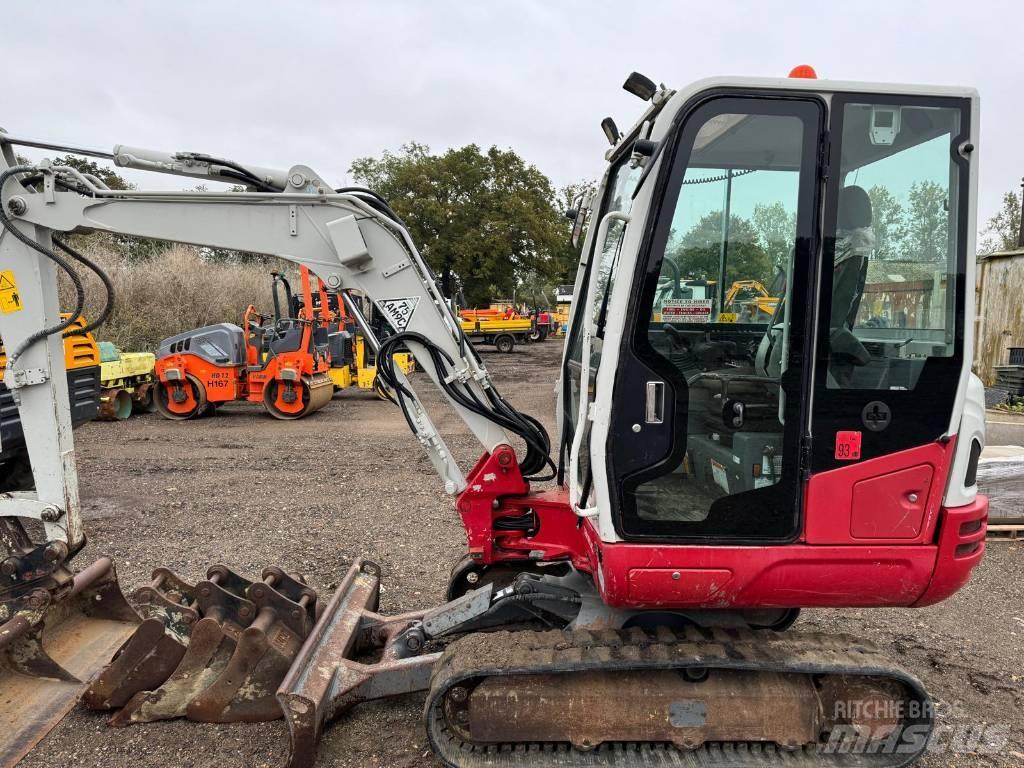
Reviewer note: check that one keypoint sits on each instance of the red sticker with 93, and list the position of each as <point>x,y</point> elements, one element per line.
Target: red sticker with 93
<point>847,446</point>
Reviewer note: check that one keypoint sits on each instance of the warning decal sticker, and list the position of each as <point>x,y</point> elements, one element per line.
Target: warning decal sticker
<point>399,311</point>
<point>847,446</point>
<point>686,310</point>
<point>10,297</point>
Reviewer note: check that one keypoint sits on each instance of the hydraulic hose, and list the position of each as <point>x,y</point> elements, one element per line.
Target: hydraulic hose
<point>374,200</point>
<point>108,285</point>
<point>496,410</point>
<point>60,261</point>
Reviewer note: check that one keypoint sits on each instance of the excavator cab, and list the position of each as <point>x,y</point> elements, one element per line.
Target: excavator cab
<point>722,432</point>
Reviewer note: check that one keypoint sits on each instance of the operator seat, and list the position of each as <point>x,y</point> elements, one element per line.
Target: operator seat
<point>855,240</point>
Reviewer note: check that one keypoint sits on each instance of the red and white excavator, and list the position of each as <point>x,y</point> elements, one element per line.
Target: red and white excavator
<point>713,478</point>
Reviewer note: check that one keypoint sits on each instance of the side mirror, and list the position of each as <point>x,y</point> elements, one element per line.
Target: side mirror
<point>611,131</point>
<point>580,213</point>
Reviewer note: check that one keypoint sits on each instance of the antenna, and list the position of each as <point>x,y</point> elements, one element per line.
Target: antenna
<point>1020,231</point>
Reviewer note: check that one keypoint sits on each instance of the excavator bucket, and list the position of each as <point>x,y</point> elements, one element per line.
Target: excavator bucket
<point>155,649</point>
<point>213,652</point>
<point>51,645</point>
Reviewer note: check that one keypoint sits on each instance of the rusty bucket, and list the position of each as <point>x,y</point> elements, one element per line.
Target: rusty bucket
<point>52,642</point>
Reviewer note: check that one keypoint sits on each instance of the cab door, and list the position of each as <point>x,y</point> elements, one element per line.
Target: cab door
<point>709,406</point>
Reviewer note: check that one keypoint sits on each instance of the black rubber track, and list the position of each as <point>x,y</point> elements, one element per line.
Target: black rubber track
<point>521,653</point>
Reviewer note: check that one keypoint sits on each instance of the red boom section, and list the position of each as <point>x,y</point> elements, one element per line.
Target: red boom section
<point>875,535</point>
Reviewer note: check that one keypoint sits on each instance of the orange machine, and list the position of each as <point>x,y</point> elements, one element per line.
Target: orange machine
<point>281,362</point>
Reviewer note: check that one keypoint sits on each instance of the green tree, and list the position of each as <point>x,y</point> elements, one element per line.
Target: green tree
<point>1002,230</point>
<point>927,223</point>
<point>698,252</point>
<point>776,231</point>
<point>889,222</point>
<point>484,218</point>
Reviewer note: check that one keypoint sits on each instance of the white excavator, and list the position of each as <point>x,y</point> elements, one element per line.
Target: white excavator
<point>713,476</point>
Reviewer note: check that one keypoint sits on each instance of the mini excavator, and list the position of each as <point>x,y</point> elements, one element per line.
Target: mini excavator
<point>712,477</point>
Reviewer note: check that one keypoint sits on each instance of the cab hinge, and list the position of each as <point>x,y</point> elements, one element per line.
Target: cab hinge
<point>804,459</point>
<point>825,155</point>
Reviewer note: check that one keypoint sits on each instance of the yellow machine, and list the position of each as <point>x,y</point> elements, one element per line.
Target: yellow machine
<point>563,305</point>
<point>82,360</point>
<point>495,326</point>
<point>750,302</point>
<point>359,369</point>
<point>127,382</point>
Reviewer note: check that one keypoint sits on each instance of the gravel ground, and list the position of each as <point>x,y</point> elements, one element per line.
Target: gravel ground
<point>350,481</point>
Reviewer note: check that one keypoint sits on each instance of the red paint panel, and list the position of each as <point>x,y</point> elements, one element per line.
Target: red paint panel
<point>962,533</point>
<point>891,506</point>
<point>844,572</point>
<point>765,577</point>
<point>829,498</point>
<point>694,585</point>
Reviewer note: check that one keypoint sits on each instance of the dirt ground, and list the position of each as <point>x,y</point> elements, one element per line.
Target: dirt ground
<point>350,481</point>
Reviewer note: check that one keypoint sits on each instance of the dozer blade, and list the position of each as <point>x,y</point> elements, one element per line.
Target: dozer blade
<point>325,680</point>
<point>52,648</point>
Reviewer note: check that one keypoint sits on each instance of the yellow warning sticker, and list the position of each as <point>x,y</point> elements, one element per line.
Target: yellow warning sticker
<point>727,317</point>
<point>10,297</point>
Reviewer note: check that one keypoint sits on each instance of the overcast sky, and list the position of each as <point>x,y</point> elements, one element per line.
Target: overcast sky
<point>322,83</point>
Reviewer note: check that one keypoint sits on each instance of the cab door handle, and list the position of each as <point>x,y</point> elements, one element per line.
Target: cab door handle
<point>654,404</point>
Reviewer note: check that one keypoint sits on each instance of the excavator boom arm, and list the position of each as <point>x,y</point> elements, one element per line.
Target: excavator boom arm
<point>350,240</point>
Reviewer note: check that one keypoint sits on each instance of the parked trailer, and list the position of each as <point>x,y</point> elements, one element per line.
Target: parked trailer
<point>500,332</point>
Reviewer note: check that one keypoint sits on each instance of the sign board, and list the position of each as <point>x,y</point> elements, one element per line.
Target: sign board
<point>399,311</point>
<point>687,310</point>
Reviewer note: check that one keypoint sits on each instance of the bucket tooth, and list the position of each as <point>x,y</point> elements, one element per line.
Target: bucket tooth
<point>155,649</point>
